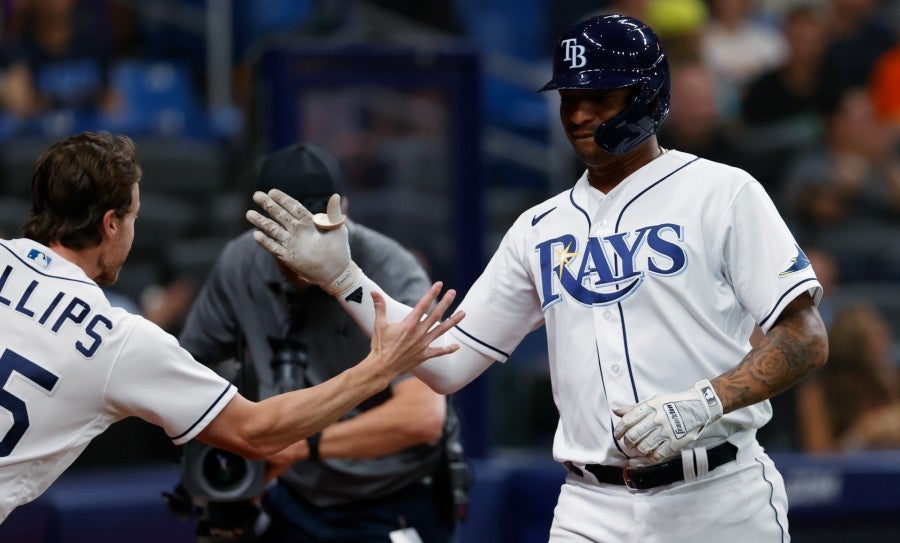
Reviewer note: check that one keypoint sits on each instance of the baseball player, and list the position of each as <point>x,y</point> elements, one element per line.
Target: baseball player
<point>71,365</point>
<point>649,275</point>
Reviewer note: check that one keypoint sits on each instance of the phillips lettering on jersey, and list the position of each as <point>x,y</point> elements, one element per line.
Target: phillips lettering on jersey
<point>609,269</point>
<point>53,313</point>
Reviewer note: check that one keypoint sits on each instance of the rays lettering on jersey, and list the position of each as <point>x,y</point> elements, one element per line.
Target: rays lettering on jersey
<point>609,268</point>
<point>74,310</point>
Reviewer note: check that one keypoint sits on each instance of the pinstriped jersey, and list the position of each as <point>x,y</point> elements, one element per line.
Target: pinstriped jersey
<point>71,365</point>
<point>644,290</point>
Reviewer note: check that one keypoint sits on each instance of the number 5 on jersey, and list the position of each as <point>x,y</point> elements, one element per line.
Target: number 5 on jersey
<point>10,362</point>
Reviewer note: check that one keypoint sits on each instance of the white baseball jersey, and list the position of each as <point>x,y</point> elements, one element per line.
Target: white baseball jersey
<point>71,365</point>
<point>644,290</point>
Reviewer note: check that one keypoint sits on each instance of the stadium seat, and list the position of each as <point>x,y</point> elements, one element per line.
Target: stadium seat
<point>159,98</point>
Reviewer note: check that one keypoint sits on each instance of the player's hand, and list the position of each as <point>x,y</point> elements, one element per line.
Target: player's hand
<point>403,345</point>
<point>315,247</point>
<point>664,424</point>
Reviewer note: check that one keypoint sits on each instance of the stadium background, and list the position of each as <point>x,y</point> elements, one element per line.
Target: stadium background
<point>431,109</point>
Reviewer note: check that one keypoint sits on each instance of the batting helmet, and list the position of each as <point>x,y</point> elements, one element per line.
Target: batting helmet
<point>613,52</point>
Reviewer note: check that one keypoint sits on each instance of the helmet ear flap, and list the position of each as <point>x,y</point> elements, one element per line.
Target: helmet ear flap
<point>653,104</point>
<point>658,104</point>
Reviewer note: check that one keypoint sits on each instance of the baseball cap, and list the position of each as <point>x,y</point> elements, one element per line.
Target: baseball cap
<point>306,172</point>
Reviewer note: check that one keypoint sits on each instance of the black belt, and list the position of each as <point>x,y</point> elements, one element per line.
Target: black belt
<point>664,473</point>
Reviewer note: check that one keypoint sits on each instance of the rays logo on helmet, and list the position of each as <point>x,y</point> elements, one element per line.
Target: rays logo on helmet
<point>574,53</point>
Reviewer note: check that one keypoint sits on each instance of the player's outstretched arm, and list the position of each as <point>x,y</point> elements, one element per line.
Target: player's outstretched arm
<point>444,374</point>
<point>664,424</point>
<point>256,430</point>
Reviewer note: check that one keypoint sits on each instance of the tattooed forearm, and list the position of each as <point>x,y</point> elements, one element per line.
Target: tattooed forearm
<point>795,346</point>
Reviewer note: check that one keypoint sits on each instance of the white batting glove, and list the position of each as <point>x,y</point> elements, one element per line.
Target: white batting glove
<point>664,424</point>
<point>315,247</point>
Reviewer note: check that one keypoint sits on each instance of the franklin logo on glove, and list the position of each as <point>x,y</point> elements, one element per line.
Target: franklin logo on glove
<point>661,426</point>
<point>675,420</point>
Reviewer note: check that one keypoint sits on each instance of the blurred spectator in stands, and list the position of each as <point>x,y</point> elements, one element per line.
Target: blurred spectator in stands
<point>853,402</point>
<point>858,36</point>
<point>885,86</point>
<point>679,25</point>
<point>124,20</point>
<point>631,8</point>
<point>784,107</point>
<point>695,123</point>
<point>777,9</point>
<point>851,180</point>
<point>58,58</point>
<point>738,47</point>
<point>792,92</point>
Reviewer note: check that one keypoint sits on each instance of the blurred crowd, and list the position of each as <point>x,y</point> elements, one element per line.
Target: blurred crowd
<point>803,94</point>
<point>57,57</point>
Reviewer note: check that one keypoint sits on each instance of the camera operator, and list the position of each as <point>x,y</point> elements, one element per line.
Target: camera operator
<point>382,472</point>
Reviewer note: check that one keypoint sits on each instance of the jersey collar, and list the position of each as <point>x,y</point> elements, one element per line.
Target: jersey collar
<point>589,198</point>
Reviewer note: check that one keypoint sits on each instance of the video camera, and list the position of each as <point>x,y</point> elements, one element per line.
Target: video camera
<point>218,487</point>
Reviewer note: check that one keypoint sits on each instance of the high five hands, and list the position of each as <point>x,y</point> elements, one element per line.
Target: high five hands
<point>316,247</point>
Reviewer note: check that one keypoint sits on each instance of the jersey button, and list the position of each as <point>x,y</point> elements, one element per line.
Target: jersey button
<point>607,315</point>
<point>602,223</point>
<point>615,369</point>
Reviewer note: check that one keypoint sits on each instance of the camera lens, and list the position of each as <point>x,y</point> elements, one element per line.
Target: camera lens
<point>223,470</point>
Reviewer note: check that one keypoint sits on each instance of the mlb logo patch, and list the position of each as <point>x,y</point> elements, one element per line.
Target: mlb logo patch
<point>40,258</point>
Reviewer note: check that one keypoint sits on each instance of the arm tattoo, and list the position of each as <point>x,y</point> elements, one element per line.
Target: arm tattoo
<point>795,346</point>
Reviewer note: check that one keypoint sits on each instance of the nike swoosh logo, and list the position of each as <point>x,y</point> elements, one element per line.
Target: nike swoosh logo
<point>537,218</point>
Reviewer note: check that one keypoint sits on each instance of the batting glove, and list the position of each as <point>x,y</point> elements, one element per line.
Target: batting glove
<point>664,424</point>
<point>316,247</point>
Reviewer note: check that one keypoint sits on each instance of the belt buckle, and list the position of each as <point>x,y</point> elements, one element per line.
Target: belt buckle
<point>626,476</point>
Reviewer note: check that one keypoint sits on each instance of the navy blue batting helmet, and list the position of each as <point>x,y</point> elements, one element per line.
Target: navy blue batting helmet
<point>613,52</point>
